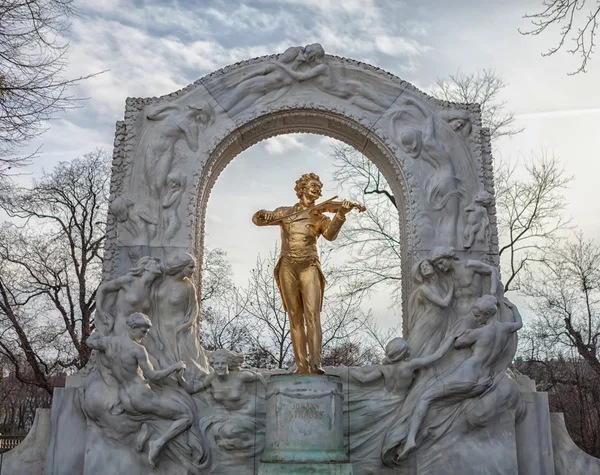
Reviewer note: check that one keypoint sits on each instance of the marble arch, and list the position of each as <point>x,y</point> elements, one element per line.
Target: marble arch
<point>170,150</point>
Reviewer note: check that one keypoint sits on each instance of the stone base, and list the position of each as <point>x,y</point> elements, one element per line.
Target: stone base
<point>305,469</point>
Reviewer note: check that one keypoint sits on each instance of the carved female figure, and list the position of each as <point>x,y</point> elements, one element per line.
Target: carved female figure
<point>175,185</point>
<point>397,370</point>
<point>428,306</point>
<point>372,406</point>
<point>227,384</point>
<point>156,148</point>
<point>268,78</point>
<point>328,82</point>
<point>443,188</point>
<point>175,333</point>
<point>234,424</point>
<point>118,298</point>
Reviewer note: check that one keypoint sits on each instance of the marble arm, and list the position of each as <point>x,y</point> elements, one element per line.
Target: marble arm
<point>304,76</point>
<point>518,323</point>
<point>251,376</point>
<point>365,375</point>
<point>149,372</point>
<point>191,136</point>
<point>464,339</point>
<point>160,112</point>
<point>486,269</point>
<point>96,341</point>
<point>261,72</point>
<point>424,361</point>
<point>171,197</point>
<point>106,288</point>
<point>436,299</point>
<point>195,386</point>
<point>448,115</point>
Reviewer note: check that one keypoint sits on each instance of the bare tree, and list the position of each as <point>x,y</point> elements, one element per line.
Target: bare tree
<point>372,237</point>
<point>530,214</point>
<point>50,267</point>
<point>566,295</point>
<point>33,52</point>
<point>529,206</point>
<point>571,18</point>
<point>222,306</point>
<point>270,336</point>
<point>573,389</point>
<point>483,88</point>
<point>252,319</point>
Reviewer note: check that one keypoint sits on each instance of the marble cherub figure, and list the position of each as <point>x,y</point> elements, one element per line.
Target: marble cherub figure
<point>477,227</point>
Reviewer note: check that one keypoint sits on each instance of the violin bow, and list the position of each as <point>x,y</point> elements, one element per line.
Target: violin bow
<point>296,213</point>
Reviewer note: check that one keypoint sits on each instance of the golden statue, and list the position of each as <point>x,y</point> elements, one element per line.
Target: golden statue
<point>298,272</point>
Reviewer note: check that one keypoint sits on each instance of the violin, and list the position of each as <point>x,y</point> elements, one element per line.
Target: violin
<point>329,206</point>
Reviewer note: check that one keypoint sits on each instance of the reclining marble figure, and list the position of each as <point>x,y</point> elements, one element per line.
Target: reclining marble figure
<point>128,361</point>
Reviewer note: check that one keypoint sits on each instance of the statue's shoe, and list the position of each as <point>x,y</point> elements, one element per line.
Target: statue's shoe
<point>317,369</point>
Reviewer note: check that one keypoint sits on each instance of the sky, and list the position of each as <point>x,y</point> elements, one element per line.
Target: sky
<point>154,47</point>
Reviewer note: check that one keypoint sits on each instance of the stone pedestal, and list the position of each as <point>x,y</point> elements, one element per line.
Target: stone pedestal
<point>304,426</point>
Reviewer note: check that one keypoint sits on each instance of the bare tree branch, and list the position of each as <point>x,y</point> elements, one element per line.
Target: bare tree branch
<point>570,17</point>
<point>51,260</point>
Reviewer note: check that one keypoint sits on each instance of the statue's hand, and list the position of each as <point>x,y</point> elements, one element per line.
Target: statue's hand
<point>180,366</point>
<point>266,215</point>
<point>346,207</point>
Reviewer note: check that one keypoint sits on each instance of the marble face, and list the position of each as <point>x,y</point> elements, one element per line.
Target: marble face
<point>139,333</point>
<point>220,364</point>
<point>427,269</point>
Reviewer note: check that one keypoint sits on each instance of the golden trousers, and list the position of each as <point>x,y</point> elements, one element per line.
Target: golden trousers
<point>301,285</point>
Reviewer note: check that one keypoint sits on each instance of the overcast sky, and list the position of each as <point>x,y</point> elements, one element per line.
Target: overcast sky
<point>151,48</point>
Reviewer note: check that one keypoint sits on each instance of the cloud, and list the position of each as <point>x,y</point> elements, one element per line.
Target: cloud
<point>284,144</point>
<point>398,46</point>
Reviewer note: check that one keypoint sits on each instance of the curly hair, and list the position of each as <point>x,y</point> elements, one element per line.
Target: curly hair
<point>303,181</point>
<point>487,304</point>
<point>138,320</point>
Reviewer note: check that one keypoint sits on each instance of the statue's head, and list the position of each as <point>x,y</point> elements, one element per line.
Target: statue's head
<point>396,350</point>
<point>313,52</point>
<point>422,271</point>
<point>412,141</point>
<point>146,264</point>
<point>460,125</point>
<point>202,112</point>
<point>484,198</point>
<point>223,361</point>
<point>484,309</point>
<point>442,258</point>
<point>183,263</point>
<point>119,207</point>
<point>309,185</point>
<point>138,324</point>
<point>175,179</point>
